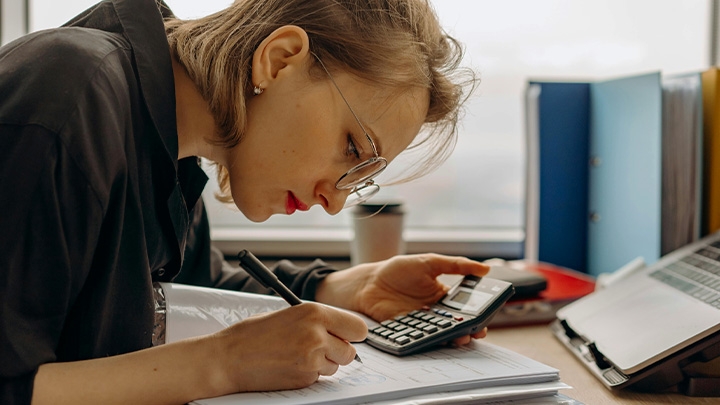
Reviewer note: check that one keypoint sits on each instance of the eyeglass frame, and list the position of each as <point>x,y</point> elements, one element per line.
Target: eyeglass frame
<point>367,181</point>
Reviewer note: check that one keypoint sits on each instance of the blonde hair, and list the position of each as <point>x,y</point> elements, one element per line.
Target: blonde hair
<point>398,44</point>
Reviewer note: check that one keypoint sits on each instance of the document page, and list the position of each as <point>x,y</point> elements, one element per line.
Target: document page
<point>384,377</point>
<point>195,311</point>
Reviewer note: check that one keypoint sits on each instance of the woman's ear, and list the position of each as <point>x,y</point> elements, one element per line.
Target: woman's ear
<point>282,52</point>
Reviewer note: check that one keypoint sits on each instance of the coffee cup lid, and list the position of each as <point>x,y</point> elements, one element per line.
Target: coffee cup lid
<point>390,207</point>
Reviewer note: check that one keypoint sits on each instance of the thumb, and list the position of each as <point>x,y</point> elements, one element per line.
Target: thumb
<point>440,264</point>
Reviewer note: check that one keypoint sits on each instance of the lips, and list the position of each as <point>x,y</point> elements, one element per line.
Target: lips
<point>293,203</point>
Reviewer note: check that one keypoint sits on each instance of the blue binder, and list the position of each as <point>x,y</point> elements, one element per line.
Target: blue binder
<point>599,172</point>
<point>564,119</point>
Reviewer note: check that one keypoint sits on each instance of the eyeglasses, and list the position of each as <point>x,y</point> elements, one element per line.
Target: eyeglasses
<point>359,179</point>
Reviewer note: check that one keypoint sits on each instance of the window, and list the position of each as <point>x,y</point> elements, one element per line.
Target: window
<point>13,20</point>
<point>473,205</point>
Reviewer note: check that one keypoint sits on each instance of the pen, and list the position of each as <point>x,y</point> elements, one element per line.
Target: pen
<point>268,279</point>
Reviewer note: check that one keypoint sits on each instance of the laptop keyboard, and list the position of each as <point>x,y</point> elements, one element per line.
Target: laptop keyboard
<point>697,274</point>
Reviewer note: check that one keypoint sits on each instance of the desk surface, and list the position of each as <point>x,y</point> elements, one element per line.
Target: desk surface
<point>537,342</point>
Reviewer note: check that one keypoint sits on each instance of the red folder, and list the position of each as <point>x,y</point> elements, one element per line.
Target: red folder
<point>563,287</point>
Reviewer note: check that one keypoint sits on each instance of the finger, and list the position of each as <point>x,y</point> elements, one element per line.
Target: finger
<point>481,334</point>
<point>329,367</point>
<point>440,264</point>
<point>339,351</point>
<point>345,325</point>
<point>463,340</point>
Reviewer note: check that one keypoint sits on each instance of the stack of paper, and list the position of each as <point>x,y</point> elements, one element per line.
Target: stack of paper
<point>472,373</point>
<point>387,377</point>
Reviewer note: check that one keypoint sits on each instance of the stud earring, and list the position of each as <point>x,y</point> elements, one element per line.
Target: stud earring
<point>258,90</point>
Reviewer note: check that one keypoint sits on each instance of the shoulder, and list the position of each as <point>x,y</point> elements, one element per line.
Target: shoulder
<point>42,75</point>
<point>80,86</point>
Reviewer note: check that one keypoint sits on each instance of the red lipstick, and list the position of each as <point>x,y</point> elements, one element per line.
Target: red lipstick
<point>290,205</point>
<point>293,203</point>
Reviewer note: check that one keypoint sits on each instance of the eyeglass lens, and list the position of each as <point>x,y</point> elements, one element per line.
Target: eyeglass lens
<point>361,194</point>
<point>360,174</point>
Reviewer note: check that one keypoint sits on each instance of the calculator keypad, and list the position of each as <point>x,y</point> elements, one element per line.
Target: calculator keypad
<point>415,326</point>
<point>459,313</point>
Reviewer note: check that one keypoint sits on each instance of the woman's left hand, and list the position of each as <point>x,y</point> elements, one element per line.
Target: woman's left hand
<point>396,286</point>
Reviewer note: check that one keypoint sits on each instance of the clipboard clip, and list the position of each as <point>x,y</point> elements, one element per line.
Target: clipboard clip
<point>587,349</point>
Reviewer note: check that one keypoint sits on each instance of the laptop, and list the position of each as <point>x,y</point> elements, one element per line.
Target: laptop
<point>642,330</point>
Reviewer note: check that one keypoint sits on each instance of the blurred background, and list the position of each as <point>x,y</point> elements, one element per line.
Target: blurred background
<point>474,204</point>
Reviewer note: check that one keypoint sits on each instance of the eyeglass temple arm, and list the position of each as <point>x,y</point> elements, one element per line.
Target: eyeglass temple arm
<point>372,144</point>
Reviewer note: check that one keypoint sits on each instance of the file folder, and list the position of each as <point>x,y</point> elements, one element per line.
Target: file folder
<point>625,172</point>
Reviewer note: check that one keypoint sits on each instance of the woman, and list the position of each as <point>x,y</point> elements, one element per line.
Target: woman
<point>101,123</point>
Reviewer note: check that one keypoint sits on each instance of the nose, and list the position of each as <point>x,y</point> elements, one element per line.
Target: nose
<point>331,199</point>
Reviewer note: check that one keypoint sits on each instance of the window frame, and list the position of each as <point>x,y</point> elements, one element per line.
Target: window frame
<point>14,19</point>
<point>335,242</point>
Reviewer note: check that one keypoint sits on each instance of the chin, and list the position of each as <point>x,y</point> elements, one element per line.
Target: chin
<point>259,215</point>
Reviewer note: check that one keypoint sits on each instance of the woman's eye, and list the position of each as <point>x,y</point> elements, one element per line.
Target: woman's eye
<point>352,149</point>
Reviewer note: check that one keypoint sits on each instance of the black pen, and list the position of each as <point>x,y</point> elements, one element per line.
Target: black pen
<point>268,279</point>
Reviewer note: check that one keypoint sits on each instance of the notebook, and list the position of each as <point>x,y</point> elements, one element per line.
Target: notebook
<point>642,329</point>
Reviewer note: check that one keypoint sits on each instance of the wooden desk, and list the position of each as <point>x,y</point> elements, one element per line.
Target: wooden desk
<point>537,342</point>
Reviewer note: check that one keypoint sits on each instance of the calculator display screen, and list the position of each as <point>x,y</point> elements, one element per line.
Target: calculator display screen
<point>467,300</point>
<point>461,297</point>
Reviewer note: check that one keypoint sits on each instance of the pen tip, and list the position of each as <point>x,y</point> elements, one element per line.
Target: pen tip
<point>357,358</point>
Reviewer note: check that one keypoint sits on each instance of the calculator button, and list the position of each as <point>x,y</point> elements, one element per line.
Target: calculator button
<point>402,340</point>
<point>459,318</point>
<point>395,336</point>
<point>378,330</point>
<point>386,333</point>
<point>427,317</point>
<point>405,319</point>
<point>386,323</point>
<point>469,282</point>
<point>421,325</point>
<point>392,325</point>
<point>444,323</point>
<point>416,334</point>
<point>413,313</point>
<point>413,322</point>
<point>430,328</point>
<point>400,328</point>
<point>435,320</point>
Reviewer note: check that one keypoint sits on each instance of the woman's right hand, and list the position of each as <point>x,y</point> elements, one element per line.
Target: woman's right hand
<point>286,349</point>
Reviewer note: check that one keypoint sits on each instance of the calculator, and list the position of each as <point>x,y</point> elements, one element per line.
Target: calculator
<point>465,309</point>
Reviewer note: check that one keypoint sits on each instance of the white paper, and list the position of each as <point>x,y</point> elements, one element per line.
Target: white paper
<point>195,311</point>
<point>384,376</point>
<point>505,393</point>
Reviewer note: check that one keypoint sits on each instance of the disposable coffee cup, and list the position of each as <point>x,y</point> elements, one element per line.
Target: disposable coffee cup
<point>378,232</point>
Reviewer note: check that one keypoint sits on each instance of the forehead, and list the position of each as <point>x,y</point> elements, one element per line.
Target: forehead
<point>392,117</point>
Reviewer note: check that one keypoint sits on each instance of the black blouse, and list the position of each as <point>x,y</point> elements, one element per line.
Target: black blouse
<point>95,205</point>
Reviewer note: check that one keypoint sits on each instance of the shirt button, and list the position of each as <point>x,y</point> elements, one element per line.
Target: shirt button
<point>161,271</point>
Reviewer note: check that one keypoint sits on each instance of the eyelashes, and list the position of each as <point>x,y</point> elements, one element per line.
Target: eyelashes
<point>352,149</point>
